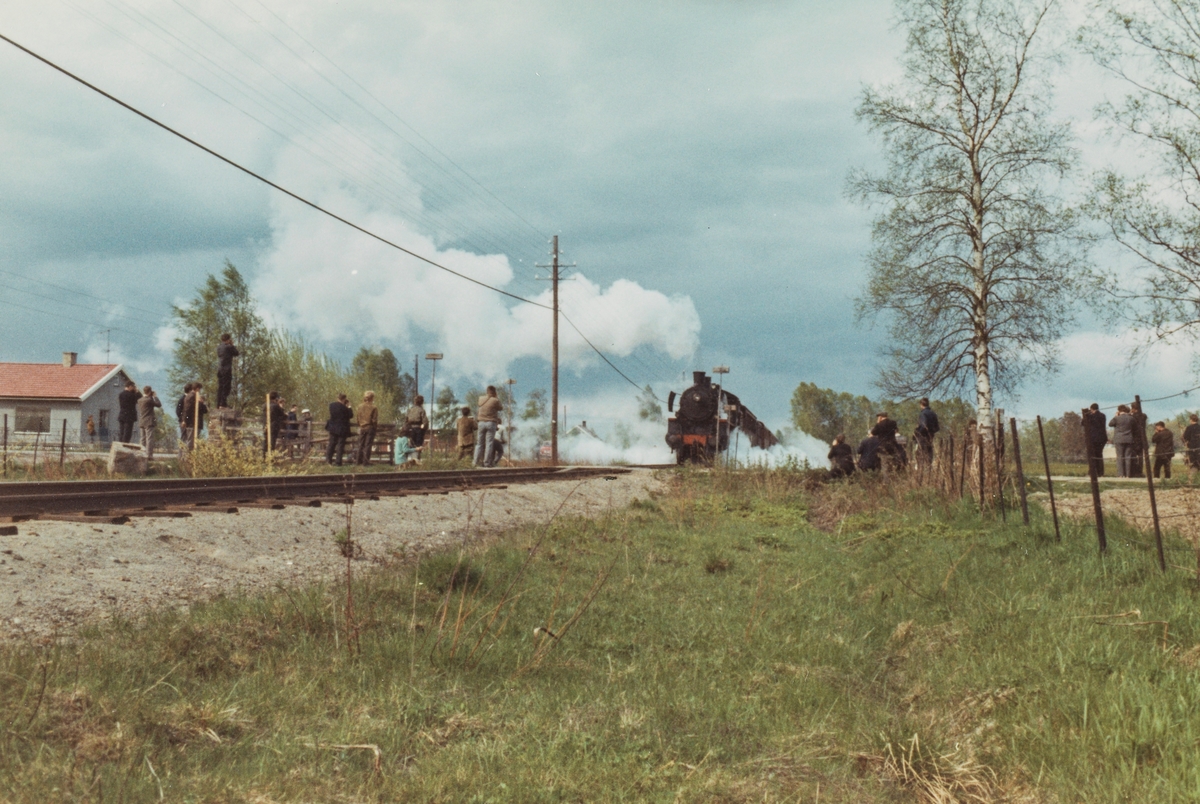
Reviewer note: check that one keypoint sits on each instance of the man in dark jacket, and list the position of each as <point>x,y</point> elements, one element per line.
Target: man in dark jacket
<point>187,389</point>
<point>1164,449</point>
<point>927,428</point>
<point>885,430</point>
<point>841,457</point>
<point>1140,443</point>
<point>226,352</point>
<point>868,454</point>
<point>1191,442</point>
<point>277,417</point>
<point>338,426</point>
<point>128,416</point>
<point>1095,436</point>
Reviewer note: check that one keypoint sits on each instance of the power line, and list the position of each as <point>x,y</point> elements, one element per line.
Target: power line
<point>79,293</point>
<point>80,306</point>
<point>69,318</point>
<point>265,180</point>
<point>360,173</point>
<point>401,120</point>
<point>602,355</point>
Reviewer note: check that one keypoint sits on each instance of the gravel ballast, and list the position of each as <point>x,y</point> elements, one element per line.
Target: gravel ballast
<point>55,576</point>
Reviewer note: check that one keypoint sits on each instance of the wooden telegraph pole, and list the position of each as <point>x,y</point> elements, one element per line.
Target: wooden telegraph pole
<point>554,277</point>
<point>554,363</point>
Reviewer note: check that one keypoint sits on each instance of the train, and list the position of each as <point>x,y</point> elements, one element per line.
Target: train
<point>696,433</point>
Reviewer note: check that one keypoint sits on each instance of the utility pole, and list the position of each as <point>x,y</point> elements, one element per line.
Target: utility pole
<point>554,267</point>
<point>554,365</point>
<point>416,374</point>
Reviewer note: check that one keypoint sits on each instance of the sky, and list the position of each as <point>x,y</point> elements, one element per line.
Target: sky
<point>691,157</point>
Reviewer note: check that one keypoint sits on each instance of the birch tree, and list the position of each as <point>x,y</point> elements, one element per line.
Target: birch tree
<point>1154,46</point>
<point>976,259</point>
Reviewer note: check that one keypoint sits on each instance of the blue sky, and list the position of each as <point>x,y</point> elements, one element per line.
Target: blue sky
<point>690,155</point>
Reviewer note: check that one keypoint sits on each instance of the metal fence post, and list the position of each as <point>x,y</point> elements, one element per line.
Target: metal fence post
<point>62,446</point>
<point>1097,509</point>
<point>1049,482</point>
<point>1162,560</point>
<point>1020,471</point>
<point>999,445</point>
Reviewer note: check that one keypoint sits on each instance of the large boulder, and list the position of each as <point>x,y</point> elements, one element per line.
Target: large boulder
<point>126,459</point>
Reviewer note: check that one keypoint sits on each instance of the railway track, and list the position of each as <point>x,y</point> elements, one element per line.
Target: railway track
<point>116,501</point>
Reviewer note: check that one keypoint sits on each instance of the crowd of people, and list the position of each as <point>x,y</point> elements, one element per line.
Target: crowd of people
<point>480,438</point>
<point>883,445</point>
<point>1129,440</point>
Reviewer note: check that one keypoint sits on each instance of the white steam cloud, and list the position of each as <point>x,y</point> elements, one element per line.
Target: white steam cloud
<point>336,285</point>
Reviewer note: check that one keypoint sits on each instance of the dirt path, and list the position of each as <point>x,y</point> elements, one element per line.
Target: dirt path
<point>56,575</point>
<point>1178,509</point>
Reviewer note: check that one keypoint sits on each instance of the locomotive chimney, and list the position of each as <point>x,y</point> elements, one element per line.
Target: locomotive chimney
<point>700,378</point>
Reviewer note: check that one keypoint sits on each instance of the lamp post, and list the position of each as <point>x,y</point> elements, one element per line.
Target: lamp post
<point>433,357</point>
<point>720,371</point>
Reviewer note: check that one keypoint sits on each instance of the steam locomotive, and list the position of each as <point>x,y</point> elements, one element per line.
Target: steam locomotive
<point>696,433</point>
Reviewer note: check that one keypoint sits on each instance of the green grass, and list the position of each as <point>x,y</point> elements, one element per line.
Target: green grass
<point>730,652</point>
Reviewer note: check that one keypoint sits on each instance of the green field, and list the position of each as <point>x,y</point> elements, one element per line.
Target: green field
<point>713,645</point>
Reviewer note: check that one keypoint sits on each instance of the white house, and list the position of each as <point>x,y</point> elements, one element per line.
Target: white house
<point>37,398</point>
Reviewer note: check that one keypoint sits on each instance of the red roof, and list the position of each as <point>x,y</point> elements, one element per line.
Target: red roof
<point>50,380</point>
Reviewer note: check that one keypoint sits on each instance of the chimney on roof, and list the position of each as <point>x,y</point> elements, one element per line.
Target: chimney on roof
<point>69,359</point>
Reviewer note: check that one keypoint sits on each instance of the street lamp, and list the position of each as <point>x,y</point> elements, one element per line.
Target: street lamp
<point>433,357</point>
<point>720,371</point>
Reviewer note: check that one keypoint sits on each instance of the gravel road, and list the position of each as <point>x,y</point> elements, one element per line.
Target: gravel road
<point>55,576</point>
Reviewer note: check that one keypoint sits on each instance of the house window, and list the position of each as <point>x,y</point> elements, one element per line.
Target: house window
<point>32,419</point>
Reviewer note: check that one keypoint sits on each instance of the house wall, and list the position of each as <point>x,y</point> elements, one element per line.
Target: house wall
<point>105,399</point>
<point>60,410</point>
<point>74,412</point>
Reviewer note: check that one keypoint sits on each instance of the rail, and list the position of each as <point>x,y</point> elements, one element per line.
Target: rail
<point>107,498</point>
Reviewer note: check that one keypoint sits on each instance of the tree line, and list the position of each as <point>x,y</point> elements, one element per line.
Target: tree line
<point>981,247</point>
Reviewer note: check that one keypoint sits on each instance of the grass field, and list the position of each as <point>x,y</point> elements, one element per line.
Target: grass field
<point>710,645</point>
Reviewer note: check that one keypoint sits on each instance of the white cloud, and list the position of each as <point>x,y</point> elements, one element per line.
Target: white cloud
<point>325,280</point>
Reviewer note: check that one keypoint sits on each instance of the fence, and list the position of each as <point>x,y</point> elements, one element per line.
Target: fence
<point>990,467</point>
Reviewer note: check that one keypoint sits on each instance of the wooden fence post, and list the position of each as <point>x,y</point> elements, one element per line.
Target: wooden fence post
<point>1016,439</point>
<point>1049,482</point>
<point>1097,509</point>
<point>999,447</point>
<point>950,485</point>
<point>1162,560</point>
<point>962,472</point>
<point>982,469</point>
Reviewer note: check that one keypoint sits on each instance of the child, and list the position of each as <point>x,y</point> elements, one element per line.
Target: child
<point>1164,449</point>
<point>405,453</point>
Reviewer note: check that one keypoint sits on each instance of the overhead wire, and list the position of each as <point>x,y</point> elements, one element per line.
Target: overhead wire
<point>77,292</point>
<point>364,177</point>
<point>358,136</point>
<point>80,306</point>
<point>433,162</point>
<point>263,179</point>
<point>290,193</point>
<point>69,318</point>
<point>402,122</point>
